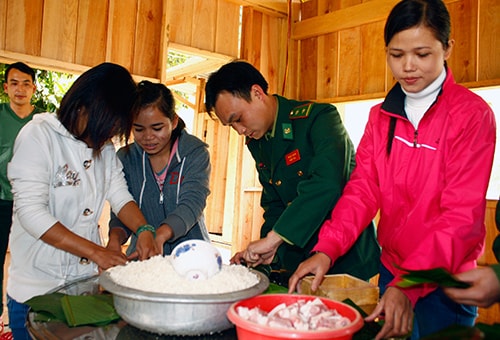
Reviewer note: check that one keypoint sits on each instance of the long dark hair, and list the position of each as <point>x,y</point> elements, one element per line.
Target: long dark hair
<point>159,96</point>
<point>103,96</point>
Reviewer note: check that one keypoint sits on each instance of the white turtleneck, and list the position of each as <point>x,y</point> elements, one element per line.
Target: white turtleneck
<point>417,104</point>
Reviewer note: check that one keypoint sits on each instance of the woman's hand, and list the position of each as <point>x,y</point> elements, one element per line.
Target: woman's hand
<point>163,234</point>
<point>396,310</point>
<point>318,264</point>
<point>146,246</point>
<point>106,258</point>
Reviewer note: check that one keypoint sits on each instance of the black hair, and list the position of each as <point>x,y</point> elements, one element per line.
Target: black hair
<point>159,96</point>
<point>21,67</point>
<point>102,98</point>
<point>237,78</point>
<point>410,13</point>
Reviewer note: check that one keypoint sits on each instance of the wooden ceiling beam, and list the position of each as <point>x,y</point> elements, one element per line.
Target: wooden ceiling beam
<point>349,17</point>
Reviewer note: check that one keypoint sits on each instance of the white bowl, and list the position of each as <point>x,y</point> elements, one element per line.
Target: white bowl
<point>196,259</point>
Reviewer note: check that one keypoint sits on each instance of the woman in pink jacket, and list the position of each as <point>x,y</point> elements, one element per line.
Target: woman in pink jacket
<point>424,162</point>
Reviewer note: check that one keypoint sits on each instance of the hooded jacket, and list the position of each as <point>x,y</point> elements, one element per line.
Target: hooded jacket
<point>185,190</point>
<point>430,189</point>
<point>56,177</point>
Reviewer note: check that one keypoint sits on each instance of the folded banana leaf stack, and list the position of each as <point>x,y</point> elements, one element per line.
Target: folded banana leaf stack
<point>74,310</point>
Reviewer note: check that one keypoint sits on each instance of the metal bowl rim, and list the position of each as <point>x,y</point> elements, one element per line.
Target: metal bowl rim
<point>131,293</point>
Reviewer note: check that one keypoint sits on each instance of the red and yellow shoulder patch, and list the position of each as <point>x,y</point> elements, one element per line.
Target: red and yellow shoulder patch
<point>301,111</point>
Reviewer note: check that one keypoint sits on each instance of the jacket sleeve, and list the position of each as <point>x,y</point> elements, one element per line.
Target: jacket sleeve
<point>458,233</point>
<point>193,193</point>
<point>328,172</point>
<point>29,173</point>
<point>118,194</point>
<point>114,221</point>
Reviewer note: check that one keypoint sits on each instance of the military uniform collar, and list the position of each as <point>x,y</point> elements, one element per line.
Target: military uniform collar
<point>271,134</point>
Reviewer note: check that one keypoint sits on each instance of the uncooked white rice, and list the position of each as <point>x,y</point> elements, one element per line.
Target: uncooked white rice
<point>159,276</point>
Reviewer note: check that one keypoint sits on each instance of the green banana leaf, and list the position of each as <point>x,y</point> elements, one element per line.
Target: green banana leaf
<point>439,276</point>
<point>48,307</point>
<point>275,289</point>
<point>370,329</point>
<point>95,310</point>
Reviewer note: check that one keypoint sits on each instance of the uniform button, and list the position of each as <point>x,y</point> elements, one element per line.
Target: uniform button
<point>270,181</point>
<point>289,203</point>
<point>300,173</point>
<point>278,183</point>
<point>87,212</point>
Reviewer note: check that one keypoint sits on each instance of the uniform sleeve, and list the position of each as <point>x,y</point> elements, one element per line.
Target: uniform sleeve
<point>193,192</point>
<point>328,172</point>
<point>359,202</point>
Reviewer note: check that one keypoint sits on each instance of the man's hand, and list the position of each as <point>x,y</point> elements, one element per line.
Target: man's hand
<point>259,252</point>
<point>484,290</point>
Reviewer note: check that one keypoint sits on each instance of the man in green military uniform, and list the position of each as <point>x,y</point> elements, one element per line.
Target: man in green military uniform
<point>303,156</point>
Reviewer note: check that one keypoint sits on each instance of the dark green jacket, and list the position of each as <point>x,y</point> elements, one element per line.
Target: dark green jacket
<point>303,169</point>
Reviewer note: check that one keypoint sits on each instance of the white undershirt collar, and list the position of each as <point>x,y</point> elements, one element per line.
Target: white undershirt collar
<point>417,104</point>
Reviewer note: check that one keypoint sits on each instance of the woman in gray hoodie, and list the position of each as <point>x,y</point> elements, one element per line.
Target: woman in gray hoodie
<point>167,171</point>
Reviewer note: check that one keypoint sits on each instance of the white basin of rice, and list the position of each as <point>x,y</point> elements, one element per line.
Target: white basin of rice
<point>157,275</point>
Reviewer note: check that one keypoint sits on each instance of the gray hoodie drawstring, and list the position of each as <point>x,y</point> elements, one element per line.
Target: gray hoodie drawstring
<point>143,178</point>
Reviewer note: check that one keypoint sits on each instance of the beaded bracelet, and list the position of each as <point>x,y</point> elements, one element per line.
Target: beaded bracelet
<point>146,227</point>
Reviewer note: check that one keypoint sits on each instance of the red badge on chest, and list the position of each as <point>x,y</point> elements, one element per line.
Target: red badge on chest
<point>292,157</point>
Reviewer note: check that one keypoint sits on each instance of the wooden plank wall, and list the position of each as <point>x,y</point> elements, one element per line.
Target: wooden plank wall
<point>73,35</point>
<point>342,60</point>
<point>264,45</point>
<point>212,26</point>
<point>492,314</point>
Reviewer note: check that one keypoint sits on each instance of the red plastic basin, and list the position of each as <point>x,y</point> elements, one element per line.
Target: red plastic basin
<point>247,330</point>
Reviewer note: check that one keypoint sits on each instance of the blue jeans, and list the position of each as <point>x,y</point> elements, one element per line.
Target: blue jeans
<point>433,312</point>
<point>18,314</point>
